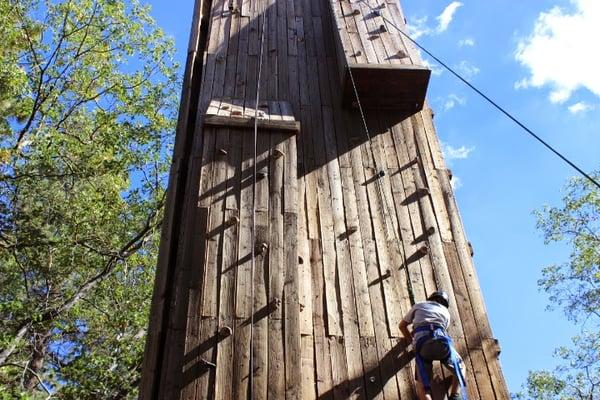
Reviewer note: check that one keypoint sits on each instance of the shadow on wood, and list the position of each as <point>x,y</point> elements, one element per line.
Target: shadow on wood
<point>371,383</point>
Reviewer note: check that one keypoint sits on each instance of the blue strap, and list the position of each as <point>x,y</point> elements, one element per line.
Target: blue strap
<point>437,332</point>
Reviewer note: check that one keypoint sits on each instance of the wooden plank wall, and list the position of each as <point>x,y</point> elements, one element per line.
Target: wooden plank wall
<point>343,252</point>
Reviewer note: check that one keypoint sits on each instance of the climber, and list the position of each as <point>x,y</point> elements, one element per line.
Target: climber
<point>430,319</point>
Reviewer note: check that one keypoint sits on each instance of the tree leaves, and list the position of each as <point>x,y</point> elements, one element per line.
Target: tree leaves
<point>575,287</point>
<point>88,102</point>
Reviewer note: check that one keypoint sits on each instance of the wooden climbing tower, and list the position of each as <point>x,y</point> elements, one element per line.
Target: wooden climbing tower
<point>294,238</point>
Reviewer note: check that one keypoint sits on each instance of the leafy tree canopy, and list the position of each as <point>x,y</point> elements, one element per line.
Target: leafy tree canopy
<point>88,99</point>
<point>575,287</point>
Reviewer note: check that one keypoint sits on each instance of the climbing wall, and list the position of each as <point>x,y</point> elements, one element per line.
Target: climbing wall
<point>351,227</point>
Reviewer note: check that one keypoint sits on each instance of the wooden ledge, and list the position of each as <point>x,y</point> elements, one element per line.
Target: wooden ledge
<point>397,87</point>
<point>248,123</point>
<point>237,113</point>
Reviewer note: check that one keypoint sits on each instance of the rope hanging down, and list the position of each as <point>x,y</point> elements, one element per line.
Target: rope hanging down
<point>253,233</point>
<point>381,171</point>
<point>484,96</point>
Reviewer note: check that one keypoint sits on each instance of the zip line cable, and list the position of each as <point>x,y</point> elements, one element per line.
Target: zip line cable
<point>488,99</point>
<point>253,234</point>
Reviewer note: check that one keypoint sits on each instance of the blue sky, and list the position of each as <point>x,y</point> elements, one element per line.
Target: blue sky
<point>540,60</point>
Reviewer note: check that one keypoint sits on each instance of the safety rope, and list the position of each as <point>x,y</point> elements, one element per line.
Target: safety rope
<point>253,233</point>
<point>485,97</point>
<point>381,173</point>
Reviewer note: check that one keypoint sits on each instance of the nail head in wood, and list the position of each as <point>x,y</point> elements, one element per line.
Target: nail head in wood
<point>261,248</point>
<point>356,11</point>
<point>381,174</point>
<point>423,250</point>
<point>262,174</point>
<point>225,332</point>
<point>207,364</point>
<point>372,379</point>
<point>278,154</point>
<point>234,221</point>
<point>382,28</point>
<point>430,230</point>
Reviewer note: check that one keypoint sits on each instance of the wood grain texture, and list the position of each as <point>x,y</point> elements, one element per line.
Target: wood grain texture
<point>293,280</point>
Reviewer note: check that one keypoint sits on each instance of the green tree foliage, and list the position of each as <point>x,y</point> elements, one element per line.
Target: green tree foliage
<point>575,287</point>
<point>88,99</point>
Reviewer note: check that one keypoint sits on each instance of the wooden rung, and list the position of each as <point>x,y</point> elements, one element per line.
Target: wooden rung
<point>422,191</point>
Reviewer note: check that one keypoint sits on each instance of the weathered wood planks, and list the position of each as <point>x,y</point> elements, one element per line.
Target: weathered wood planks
<point>340,250</point>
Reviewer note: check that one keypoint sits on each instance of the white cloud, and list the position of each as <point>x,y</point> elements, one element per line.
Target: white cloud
<point>452,101</point>
<point>560,52</point>
<point>467,69</point>
<point>456,183</point>
<point>468,42</point>
<point>435,69</point>
<point>456,153</point>
<point>446,17</point>
<point>419,26</point>
<point>580,107</point>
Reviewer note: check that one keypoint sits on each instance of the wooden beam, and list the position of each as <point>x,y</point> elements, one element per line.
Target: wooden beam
<point>248,122</point>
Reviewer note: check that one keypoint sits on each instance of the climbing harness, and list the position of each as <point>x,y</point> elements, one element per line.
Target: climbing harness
<point>438,333</point>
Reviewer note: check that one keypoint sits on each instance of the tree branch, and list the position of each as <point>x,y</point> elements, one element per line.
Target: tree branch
<point>32,372</point>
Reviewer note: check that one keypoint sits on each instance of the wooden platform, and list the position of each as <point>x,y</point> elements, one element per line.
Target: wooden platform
<point>396,87</point>
<point>270,115</point>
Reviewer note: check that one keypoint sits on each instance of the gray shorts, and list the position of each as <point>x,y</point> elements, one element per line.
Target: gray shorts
<point>437,350</point>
